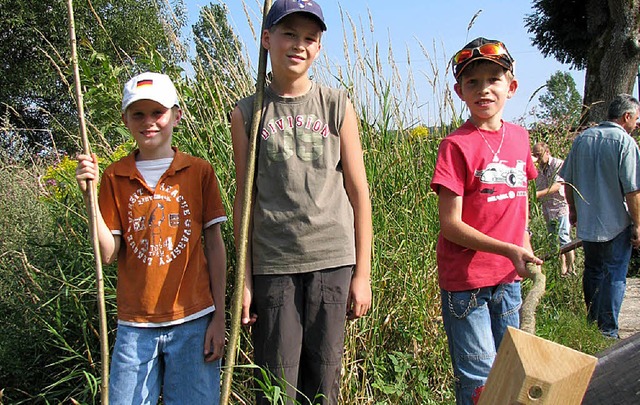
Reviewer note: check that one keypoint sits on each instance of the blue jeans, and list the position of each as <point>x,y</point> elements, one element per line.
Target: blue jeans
<point>560,226</point>
<point>146,359</point>
<point>475,322</point>
<point>605,280</point>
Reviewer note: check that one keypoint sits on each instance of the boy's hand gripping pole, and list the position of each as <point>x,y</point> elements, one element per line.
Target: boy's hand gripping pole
<point>92,212</point>
<point>245,220</point>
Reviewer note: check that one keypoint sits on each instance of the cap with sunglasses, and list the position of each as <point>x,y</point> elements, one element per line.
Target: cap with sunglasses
<point>282,8</point>
<point>482,49</point>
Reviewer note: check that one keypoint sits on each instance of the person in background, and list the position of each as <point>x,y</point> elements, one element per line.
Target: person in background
<point>481,176</point>
<point>550,192</point>
<point>602,166</point>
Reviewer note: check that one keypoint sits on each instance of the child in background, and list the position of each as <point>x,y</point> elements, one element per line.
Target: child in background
<point>481,178</point>
<point>550,192</point>
<point>155,207</point>
<point>310,240</point>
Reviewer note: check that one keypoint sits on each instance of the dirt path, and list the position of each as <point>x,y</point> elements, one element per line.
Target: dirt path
<point>629,319</point>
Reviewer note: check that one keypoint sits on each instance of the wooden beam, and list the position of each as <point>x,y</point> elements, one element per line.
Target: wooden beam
<point>617,376</point>
<point>532,370</point>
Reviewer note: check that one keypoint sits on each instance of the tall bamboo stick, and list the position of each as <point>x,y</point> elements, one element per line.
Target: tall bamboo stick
<point>92,214</point>
<point>245,220</point>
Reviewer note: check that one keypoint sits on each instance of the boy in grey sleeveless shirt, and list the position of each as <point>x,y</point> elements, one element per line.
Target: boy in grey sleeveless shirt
<point>310,241</point>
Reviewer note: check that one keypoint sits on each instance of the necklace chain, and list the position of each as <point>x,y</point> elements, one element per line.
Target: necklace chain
<point>496,158</point>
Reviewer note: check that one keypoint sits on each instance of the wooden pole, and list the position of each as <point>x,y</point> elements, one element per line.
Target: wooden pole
<point>92,212</point>
<point>243,242</point>
<point>534,371</point>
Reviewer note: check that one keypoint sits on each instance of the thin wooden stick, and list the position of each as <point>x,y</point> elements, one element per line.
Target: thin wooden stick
<point>245,220</point>
<point>566,248</point>
<point>92,214</point>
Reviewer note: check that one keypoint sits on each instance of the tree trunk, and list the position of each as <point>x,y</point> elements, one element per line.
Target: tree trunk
<point>613,60</point>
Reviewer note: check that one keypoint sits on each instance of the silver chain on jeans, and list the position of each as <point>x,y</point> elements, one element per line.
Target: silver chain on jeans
<point>471,304</point>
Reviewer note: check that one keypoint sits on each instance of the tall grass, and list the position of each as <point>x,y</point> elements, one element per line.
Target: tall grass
<point>396,355</point>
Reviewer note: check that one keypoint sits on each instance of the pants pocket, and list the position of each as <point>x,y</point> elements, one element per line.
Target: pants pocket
<point>335,285</point>
<point>269,291</point>
<point>506,300</point>
<point>460,303</point>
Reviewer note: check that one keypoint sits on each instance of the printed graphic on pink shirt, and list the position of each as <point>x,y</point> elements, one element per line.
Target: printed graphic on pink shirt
<point>500,173</point>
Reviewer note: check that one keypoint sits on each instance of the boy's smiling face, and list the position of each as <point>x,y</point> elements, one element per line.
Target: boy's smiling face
<point>151,125</point>
<point>485,87</point>
<point>293,45</point>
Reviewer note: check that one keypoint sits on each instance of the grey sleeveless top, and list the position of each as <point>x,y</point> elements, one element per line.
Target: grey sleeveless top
<point>302,220</point>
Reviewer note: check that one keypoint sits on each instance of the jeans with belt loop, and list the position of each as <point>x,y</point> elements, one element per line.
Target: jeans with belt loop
<point>605,280</point>
<point>475,322</point>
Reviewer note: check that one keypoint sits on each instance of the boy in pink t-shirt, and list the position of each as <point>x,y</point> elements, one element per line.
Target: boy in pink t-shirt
<point>481,179</point>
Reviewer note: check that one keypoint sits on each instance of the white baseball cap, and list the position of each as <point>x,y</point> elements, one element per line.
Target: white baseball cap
<point>150,86</point>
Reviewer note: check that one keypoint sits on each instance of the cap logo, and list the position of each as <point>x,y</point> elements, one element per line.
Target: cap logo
<point>303,3</point>
<point>143,83</point>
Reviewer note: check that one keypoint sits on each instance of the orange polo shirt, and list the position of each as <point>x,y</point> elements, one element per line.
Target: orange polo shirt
<point>162,270</point>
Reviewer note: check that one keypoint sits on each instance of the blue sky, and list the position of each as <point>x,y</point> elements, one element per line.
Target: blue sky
<point>434,23</point>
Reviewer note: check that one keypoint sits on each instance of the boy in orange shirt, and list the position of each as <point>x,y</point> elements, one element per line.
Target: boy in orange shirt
<point>155,207</point>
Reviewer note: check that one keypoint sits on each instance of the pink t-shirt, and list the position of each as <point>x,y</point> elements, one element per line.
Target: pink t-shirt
<point>494,200</point>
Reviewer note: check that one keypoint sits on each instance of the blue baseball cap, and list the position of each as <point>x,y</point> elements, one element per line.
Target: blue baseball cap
<point>282,8</point>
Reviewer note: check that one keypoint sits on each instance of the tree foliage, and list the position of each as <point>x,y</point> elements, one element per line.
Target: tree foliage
<point>218,51</point>
<point>601,36</point>
<point>561,102</point>
<point>36,78</point>
<point>560,30</point>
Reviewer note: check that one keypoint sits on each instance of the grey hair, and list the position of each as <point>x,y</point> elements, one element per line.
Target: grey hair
<point>621,104</point>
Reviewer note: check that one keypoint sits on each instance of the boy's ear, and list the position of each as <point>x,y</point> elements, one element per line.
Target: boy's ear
<point>265,40</point>
<point>177,116</point>
<point>513,86</point>
<point>458,89</point>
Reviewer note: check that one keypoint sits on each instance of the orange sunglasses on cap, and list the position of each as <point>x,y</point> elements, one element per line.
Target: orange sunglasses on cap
<point>496,49</point>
